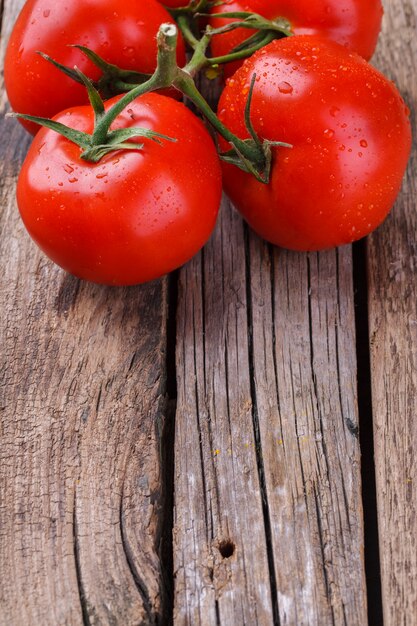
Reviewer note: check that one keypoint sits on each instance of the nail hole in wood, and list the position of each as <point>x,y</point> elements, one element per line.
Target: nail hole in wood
<point>227,548</point>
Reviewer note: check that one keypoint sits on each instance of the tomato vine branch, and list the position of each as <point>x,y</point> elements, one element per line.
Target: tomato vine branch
<point>252,155</point>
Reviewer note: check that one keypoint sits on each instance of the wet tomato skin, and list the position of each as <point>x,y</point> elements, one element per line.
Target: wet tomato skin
<point>120,31</point>
<point>135,215</point>
<point>350,134</point>
<point>353,23</point>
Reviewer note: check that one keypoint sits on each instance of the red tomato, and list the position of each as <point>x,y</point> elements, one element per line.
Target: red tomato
<point>120,31</point>
<point>354,23</point>
<point>351,138</point>
<point>133,216</point>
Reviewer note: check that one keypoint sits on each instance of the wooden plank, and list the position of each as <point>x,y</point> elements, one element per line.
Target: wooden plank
<point>267,454</point>
<point>220,555</point>
<point>82,409</point>
<point>305,384</point>
<point>392,262</point>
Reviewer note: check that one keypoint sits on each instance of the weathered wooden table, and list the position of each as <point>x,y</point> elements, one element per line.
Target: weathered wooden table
<point>232,445</point>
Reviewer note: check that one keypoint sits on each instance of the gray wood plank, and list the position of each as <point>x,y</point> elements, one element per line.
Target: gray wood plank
<point>82,385</point>
<point>392,262</point>
<point>305,385</point>
<point>267,453</point>
<point>220,549</point>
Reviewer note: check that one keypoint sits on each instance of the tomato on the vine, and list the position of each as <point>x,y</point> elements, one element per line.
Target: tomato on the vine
<point>121,32</point>
<point>136,214</point>
<point>353,23</point>
<point>350,135</point>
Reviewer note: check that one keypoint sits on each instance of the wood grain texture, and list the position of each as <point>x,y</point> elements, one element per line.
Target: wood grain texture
<point>305,384</point>
<point>82,385</point>
<point>218,499</point>
<point>267,454</point>
<point>392,262</point>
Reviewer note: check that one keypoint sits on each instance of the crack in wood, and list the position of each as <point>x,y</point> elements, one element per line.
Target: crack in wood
<point>166,551</point>
<point>77,560</point>
<point>366,437</point>
<point>258,442</point>
<point>323,554</point>
<point>139,583</point>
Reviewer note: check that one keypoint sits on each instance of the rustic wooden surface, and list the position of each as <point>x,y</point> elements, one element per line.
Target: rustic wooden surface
<point>261,517</point>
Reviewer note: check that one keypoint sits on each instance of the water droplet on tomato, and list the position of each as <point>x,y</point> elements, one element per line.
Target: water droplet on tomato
<point>128,51</point>
<point>363,143</point>
<point>329,133</point>
<point>46,13</point>
<point>72,180</point>
<point>68,168</point>
<point>285,87</point>
<point>334,111</point>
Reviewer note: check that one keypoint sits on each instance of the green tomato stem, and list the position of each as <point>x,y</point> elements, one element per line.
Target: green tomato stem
<point>169,74</point>
<point>252,155</point>
<point>185,83</point>
<point>164,76</point>
<point>183,24</point>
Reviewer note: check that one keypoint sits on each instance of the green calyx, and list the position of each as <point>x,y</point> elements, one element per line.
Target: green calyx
<point>98,144</point>
<point>260,166</point>
<point>113,80</point>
